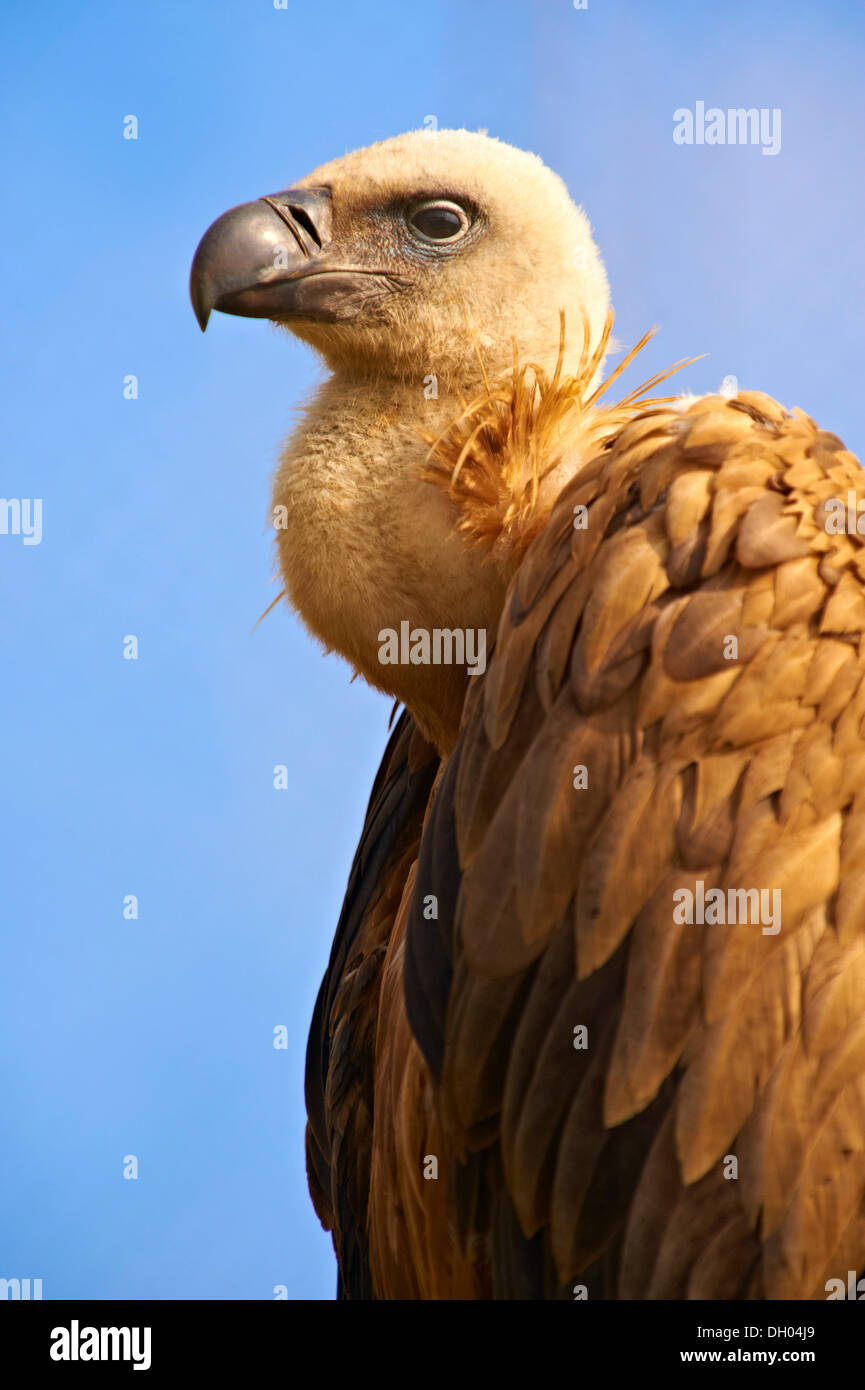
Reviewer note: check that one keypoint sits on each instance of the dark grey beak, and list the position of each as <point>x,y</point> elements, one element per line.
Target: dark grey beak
<point>276,259</point>
<point>254,258</point>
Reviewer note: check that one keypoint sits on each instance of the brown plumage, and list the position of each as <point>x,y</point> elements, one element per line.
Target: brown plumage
<point>606,1166</point>
<point>529,1075</point>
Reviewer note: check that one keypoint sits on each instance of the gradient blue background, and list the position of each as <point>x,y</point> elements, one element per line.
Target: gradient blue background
<point>155,777</point>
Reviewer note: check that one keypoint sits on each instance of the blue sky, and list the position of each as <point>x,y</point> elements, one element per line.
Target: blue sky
<point>154,777</point>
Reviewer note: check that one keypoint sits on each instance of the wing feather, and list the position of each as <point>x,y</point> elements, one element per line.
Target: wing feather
<point>699,649</point>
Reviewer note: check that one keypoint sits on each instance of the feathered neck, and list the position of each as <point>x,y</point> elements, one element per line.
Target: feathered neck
<point>386,523</point>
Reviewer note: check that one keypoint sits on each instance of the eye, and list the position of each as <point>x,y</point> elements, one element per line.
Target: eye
<point>439,220</point>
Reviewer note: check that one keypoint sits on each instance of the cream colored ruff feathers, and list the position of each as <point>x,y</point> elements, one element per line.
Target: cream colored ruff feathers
<point>367,541</point>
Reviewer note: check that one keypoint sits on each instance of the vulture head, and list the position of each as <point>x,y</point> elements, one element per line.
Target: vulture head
<point>417,268</point>
<point>382,260</point>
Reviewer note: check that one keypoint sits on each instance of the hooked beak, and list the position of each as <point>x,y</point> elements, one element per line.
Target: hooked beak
<point>274,259</point>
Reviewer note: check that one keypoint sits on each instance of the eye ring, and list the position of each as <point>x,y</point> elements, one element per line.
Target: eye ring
<point>446,207</point>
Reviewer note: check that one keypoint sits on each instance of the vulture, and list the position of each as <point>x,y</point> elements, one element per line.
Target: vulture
<point>592,1024</point>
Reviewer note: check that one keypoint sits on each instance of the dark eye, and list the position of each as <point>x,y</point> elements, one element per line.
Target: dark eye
<point>439,220</point>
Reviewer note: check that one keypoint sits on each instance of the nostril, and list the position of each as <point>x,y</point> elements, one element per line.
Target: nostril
<point>284,213</point>
<point>302,216</point>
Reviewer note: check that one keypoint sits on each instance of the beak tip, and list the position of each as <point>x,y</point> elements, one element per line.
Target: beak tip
<point>200,306</point>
